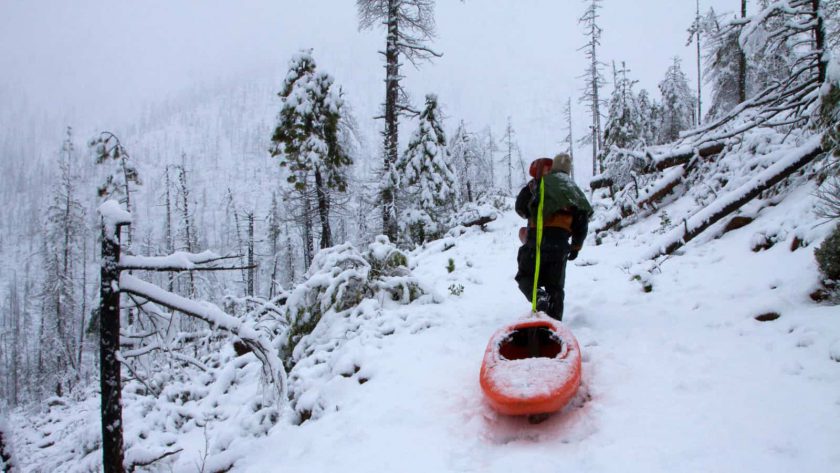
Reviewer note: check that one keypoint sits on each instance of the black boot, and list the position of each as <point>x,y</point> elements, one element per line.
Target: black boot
<point>543,301</point>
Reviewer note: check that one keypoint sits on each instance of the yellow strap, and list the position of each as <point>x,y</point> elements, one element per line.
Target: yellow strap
<point>539,244</point>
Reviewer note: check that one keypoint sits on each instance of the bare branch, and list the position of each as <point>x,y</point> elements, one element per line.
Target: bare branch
<point>212,314</point>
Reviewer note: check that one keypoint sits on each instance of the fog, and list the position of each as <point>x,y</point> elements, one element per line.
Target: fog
<point>90,61</point>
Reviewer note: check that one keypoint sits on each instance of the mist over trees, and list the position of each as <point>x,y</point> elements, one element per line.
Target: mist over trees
<point>277,183</point>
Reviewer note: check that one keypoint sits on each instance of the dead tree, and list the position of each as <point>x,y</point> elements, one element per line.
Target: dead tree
<point>410,26</point>
<point>594,79</point>
<point>115,279</point>
<point>110,378</point>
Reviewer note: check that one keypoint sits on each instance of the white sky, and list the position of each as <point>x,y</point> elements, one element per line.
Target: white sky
<point>89,59</point>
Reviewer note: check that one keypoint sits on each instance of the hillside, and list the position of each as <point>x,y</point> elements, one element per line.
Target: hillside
<point>681,377</point>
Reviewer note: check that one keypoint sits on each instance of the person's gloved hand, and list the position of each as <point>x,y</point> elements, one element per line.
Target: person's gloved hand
<point>573,254</point>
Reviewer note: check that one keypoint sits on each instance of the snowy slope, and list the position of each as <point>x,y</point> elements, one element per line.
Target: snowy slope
<point>679,379</point>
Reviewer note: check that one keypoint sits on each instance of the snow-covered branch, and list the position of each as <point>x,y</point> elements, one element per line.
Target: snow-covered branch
<point>216,317</point>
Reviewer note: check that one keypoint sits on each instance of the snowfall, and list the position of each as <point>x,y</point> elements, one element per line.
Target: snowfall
<point>681,378</point>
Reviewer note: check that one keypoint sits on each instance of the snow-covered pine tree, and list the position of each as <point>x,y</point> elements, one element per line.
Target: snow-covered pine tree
<point>623,130</point>
<point>788,62</point>
<point>427,181</point>
<point>410,26</point>
<point>649,111</point>
<point>769,62</point>
<point>121,173</point>
<point>594,79</point>
<point>723,65</point>
<point>466,159</point>
<point>11,342</point>
<point>624,120</point>
<point>274,234</point>
<point>64,230</point>
<point>489,148</point>
<point>307,139</point>
<point>678,103</point>
<point>512,158</point>
<point>696,32</point>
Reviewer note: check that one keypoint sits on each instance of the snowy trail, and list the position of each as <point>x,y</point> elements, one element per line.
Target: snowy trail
<point>681,379</point>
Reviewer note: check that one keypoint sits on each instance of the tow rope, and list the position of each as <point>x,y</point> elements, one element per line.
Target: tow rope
<point>539,245</point>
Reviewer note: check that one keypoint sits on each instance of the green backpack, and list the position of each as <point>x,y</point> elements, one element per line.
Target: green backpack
<point>560,194</point>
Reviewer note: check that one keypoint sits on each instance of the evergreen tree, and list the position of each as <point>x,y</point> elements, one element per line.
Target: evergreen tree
<point>678,102</point>
<point>410,25</point>
<point>489,148</point>
<point>427,179</point>
<point>699,28</point>
<point>623,130</point>
<point>307,138</point>
<point>466,157</point>
<point>723,62</point>
<point>512,154</point>
<point>624,121</point>
<point>121,175</point>
<point>649,112</point>
<point>64,230</point>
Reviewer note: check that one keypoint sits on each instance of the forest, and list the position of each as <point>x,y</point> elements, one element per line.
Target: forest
<point>219,248</point>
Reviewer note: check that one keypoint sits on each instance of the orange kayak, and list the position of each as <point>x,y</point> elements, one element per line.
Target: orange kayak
<point>531,367</point>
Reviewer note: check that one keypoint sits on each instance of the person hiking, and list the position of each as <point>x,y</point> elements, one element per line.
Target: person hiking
<point>566,214</point>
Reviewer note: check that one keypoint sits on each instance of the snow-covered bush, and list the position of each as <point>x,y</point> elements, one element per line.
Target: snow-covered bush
<point>828,255</point>
<point>486,209</point>
<point>418,226</point>
<point>339,279</point>
<point>337,315</point>
<point>221,407</point>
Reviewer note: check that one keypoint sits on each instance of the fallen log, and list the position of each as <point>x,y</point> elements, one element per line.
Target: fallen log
<point>646,201</point>
<point>482,221</point>
<point>662,188</point>
<point>683,155</point>
<point>600,181</point>
<point>734,200</point>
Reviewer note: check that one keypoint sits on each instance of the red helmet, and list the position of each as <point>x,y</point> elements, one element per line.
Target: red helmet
<point>544,163</point>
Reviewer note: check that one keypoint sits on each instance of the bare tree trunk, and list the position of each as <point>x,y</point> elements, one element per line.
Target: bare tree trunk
<point>290,257</point>
<point>509,140</point>
<point>188,231</point>
<point>569,139</point>
<point>492,161</point>
<point>124,166</point>
<point>742,63</point>
<point>597,144</point>
<point>323,210</point>
<point>251,254</point>
<point>699,120</point>
<point>308,248</point>
<point>84,309</point>
<point>819,39</point>
<point>110,381</point>
<point>170,242</point>
<point>14,308</point>
<point>392,77</point>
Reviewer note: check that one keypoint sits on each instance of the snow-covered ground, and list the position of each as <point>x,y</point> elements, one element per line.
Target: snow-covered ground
<point>683,378</point>
<point>679,379</point>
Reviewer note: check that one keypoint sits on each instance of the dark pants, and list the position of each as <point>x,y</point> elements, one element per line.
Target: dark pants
<point>553,257</point>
